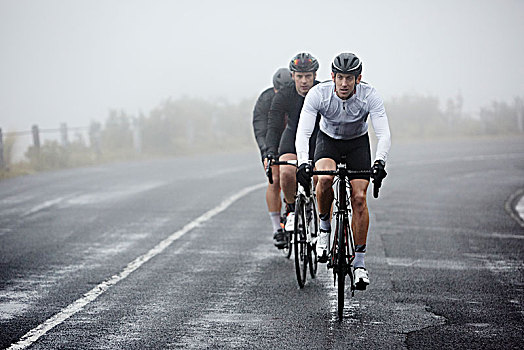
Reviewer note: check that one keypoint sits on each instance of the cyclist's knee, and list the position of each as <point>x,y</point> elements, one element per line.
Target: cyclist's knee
<point>358,201</point>
<point>324,182</point>
<point>275,186</point>
<point>287,174</point>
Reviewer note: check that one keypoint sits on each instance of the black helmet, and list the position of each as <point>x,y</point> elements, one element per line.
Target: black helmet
<point>303,62</point>
<point>347,63</point>
<point>281,78</point>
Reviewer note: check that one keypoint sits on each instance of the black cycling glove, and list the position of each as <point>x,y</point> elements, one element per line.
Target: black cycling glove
<point>269,173</point>
<point>378,173</point>
<point>304,174</point>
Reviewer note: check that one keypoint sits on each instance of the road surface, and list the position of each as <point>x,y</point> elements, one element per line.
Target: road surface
<point>177,253</point>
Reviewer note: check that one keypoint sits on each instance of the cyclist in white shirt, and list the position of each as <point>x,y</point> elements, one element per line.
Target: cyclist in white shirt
<point>344,105</point>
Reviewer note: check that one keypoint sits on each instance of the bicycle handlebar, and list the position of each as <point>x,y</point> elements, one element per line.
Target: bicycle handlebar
<point>271,162</point>
<point>376,184</point>
<point>337,172</point>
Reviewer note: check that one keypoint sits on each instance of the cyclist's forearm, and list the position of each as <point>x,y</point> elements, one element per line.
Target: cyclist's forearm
<point>275,125</point>
<point>305,127</point>
<point>381,127</point>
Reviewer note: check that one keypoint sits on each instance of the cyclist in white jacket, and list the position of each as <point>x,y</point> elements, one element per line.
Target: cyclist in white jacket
<point>344,105</point>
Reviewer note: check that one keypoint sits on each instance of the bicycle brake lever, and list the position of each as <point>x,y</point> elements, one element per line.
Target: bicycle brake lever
<point>269,172</point>
<point>376,187</point>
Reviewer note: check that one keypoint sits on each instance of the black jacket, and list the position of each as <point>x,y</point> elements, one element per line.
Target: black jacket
<point>260,119</point>
<point>286,103</point>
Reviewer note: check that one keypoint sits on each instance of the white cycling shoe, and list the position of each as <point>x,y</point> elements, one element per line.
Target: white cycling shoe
<point>290,222</point>
<point>322,246</point>
<point>361,278</point>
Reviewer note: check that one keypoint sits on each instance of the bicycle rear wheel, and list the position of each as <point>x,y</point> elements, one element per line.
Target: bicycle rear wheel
<point>300,241</point>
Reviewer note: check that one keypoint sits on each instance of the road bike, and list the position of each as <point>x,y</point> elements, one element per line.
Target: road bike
<point>342,245</point>
<point>306,228</point>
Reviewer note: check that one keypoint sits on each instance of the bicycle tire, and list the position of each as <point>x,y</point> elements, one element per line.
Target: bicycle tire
<point>341,265</point>
<point>313,226</point>
<point>300,242</point>
<point>288,247</point>
<point>286,251</point>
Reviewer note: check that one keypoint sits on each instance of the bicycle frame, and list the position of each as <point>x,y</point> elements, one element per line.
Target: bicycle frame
<point>342,249</point>
<point>301,191</point>
<point>306,227</point>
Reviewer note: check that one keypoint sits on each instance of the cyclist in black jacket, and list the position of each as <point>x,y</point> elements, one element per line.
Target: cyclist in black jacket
<point>281,78</point>
<point>288,102</point>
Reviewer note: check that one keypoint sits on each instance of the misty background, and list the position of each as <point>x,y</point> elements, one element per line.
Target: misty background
<point>84,62</point>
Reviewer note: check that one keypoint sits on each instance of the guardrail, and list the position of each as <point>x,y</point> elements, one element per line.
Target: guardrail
<point>35,131</point>
<point>94,132</point>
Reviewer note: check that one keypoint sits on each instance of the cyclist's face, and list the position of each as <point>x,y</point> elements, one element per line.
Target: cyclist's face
<point>304,81</point>
<point>345,84</point>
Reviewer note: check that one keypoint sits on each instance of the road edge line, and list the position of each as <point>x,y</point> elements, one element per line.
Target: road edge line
<point>510,206</point>
<point>34,334</point>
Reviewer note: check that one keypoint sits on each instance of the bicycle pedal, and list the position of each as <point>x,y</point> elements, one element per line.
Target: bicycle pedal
<point>360,286</point>
<point>322,259</point>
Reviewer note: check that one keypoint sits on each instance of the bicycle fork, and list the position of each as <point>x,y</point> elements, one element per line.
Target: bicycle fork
<point>342,262</point>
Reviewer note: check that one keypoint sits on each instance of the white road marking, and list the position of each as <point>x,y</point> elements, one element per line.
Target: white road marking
<point>23,294</point>
<point>393,229</point>
<point>116,193</point>
<point>516,211</point>
<point>33,335</point>
<point>45,205</point>
<point>432,264</point>
<point>491,263</point>
<point>460,159</point>
<point>81,199</point>
<point>520,208</point>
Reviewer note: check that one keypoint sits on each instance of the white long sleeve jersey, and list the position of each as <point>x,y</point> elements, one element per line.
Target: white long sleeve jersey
<point>343,119</point>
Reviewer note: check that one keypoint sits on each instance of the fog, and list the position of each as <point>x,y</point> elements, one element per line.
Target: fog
<point>72,61</point>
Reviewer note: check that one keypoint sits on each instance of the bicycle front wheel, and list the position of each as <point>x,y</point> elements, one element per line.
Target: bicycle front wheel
<point>300,241</point>
<point>313,227</point>
<point>341,265</point>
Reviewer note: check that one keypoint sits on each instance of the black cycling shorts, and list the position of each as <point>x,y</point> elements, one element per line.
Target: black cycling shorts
<point>287,142</point>
<point>357,152</point>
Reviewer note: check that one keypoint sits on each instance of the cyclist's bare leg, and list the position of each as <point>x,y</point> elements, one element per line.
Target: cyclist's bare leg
<point>288,178</point>
<point>274,204</point>
<point>324,185</point>
<point>324,191</point>
<point>360,221</point>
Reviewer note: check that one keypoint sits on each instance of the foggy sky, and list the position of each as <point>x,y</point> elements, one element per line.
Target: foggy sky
<point>71,61</point>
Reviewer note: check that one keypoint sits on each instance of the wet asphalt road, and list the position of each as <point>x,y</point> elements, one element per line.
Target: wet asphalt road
<point>446,258</point>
